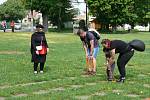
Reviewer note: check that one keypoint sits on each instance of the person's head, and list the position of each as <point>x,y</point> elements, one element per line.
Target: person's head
<point>39,27</point>
<point>106,43</point>
<point>81,33</point>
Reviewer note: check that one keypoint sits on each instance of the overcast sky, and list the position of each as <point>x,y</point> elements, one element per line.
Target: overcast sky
<point>1,1</point>
<point>81,6</point>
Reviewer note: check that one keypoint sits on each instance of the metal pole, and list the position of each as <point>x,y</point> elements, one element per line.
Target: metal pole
<point>31,18</point>
<point>86,15</point>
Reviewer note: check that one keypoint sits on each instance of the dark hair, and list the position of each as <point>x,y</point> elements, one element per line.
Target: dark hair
<point>39,26</point>
<point>82,25</point>
<point>105,41</point>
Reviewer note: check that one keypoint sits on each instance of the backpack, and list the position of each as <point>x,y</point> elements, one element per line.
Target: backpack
<point>137,45</point>
<point>95,33</point>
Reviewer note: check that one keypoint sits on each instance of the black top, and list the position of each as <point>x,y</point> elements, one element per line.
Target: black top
<point>36,39</point>
<point>120,46</point>
<point>89,36</point>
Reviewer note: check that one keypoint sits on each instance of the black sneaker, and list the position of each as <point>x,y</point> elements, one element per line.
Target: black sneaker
<point>121,80</point>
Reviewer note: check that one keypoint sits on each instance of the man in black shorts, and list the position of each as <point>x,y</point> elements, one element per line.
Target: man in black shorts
<point>125,54</point>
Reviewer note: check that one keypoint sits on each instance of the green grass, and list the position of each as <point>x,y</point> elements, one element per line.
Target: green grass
<point>64,69</point>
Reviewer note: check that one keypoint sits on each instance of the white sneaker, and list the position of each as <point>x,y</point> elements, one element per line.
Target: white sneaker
<point>41,72</point>
<point>35,72</point>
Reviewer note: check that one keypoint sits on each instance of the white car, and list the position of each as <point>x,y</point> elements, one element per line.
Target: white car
<point>18,26</point>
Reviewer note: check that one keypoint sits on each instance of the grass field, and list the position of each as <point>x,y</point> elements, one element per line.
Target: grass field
<point>63,77</point>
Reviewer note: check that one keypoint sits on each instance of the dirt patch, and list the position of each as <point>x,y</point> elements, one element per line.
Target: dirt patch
<point>148,73</point>
<point>5,86</point>
<point>100,93</point>
<point>133,95</point>
<point>26,84</point>
<point>20,95</point>
<point>41,92</point>
<point>2,98</point>
<point>82,97</point>
<point>117,91</point>
<point>90,84</point>
<point>72,78</point>
<point>142,75</point>
<point>147,85</point>
<point>99,74</point>
<point>11,52</point>
<point>84,75</point>
<point>57,89</point>
<point>76,86</point>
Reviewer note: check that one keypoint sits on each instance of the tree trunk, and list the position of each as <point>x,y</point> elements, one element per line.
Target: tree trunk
<point>114,27</point>
<point>107,27</point>
<point>149,26</point>
<point>59,20</point>
<point>45,22</point>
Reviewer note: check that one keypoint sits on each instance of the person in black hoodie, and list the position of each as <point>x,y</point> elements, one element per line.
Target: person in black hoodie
<point>37,39</point>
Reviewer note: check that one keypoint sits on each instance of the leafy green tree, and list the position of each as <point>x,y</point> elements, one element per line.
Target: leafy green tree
<point>62,12</point>
<point>12,10</point>
<point>118,12</point>
<point>142,9</point>
<point>55,10</point>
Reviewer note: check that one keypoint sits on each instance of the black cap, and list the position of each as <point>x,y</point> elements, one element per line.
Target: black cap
<point>39,26</point>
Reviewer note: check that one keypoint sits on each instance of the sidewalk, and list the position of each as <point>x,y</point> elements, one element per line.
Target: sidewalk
<point>22,30</point>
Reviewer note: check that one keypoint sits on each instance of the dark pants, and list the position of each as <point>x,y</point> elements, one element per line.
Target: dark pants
<point>12,27</point>
<point>4,28</point>
<point>41,66</point>
<point>123,59</point>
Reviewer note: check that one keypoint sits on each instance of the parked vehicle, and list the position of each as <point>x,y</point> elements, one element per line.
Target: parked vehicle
<point>18,26</point>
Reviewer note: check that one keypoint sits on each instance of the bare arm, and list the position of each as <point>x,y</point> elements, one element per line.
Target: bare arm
<point>112,58</point>
<point>92,47</point>
<point>84,47</point>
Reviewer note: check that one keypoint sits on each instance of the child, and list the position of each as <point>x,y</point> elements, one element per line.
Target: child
<point>110,64</point>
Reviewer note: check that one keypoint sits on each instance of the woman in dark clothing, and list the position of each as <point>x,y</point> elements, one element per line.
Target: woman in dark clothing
<point>125,54</point>
<point>38,38</point>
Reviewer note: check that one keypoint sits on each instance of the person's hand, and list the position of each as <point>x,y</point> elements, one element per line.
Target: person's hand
<point>90,57</point>
<point>37,52</point>
<point>47,49</point>
<point>86,56</point>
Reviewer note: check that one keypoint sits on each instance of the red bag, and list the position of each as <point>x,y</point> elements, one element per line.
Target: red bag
<point>43,51</point>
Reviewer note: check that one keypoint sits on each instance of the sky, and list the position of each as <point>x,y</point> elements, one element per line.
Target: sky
<point>1,1</point>
<point>81,6</point>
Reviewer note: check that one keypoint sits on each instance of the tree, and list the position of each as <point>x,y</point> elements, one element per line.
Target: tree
<point>62,12</point>
<point>142,9</point>
<point>117,12</point>
<point>12,10</point>
<point>55,10</point>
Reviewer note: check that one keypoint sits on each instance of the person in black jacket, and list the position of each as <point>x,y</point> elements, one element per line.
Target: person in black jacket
<point>37,39</point>
<point>125,54</point>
